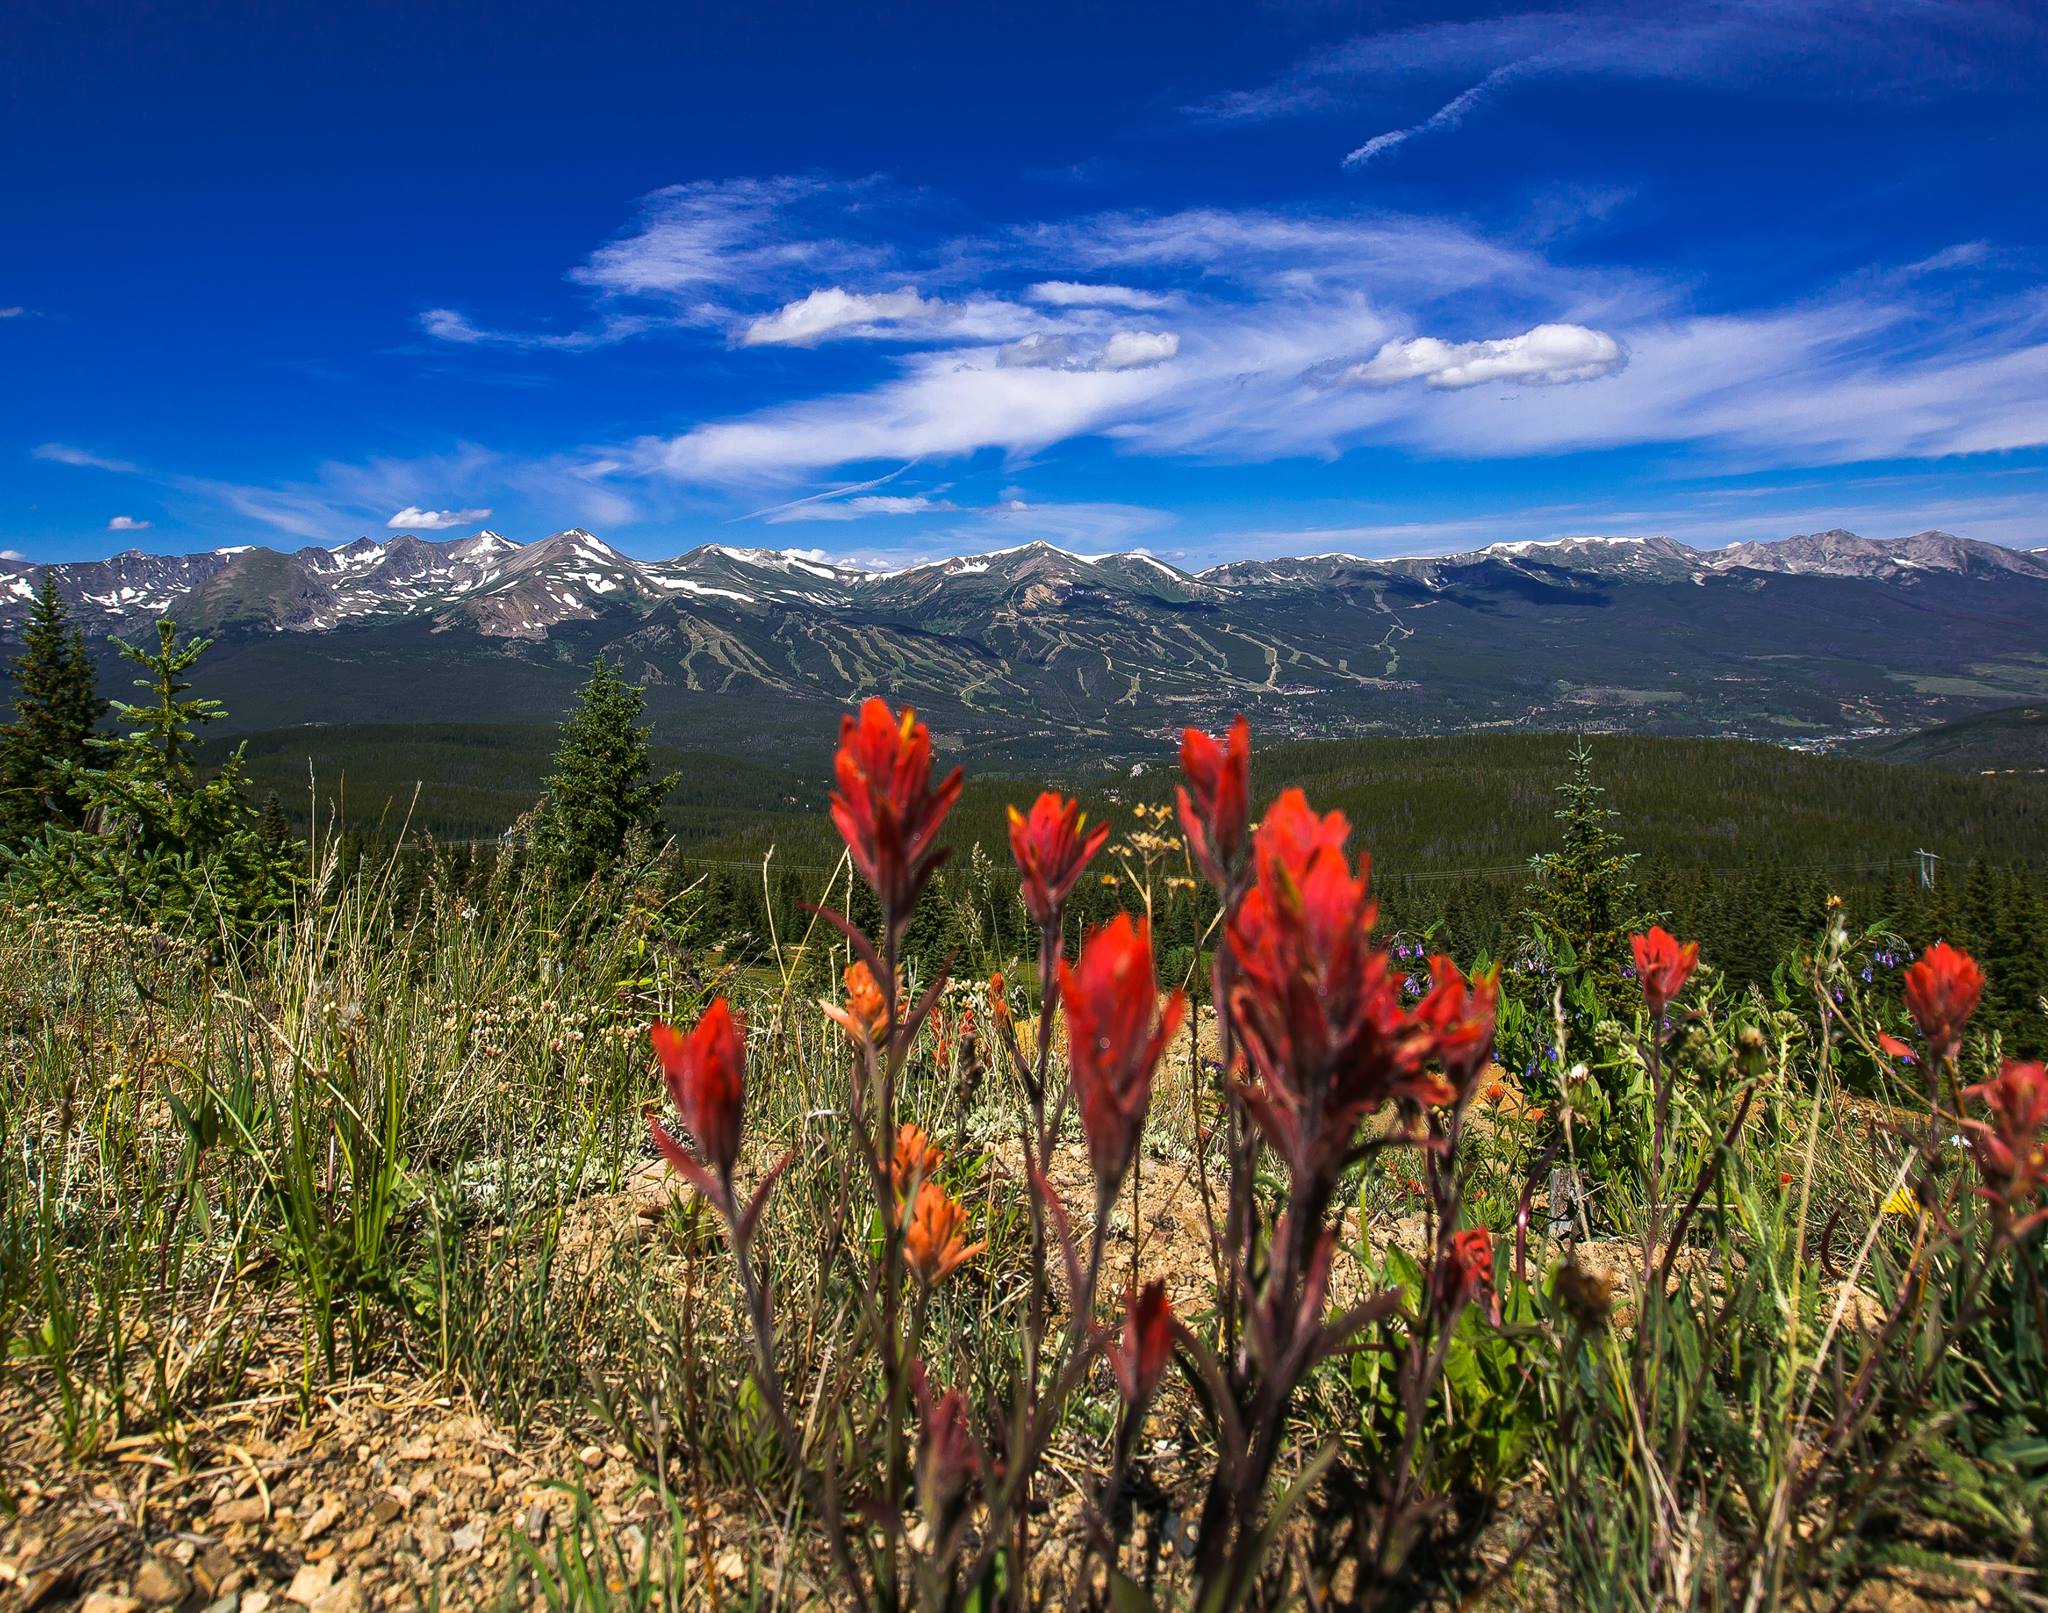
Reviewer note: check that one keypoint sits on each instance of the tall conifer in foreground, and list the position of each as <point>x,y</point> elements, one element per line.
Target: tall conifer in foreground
<point>604,790</point>
<point>55,710</point>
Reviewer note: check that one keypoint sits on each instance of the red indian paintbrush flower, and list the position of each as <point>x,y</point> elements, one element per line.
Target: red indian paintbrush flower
<point>885,807</point>
<point>1318,1006</point>
<point>1941,994</point>
<point>1139,1360</point>
<point>1116,1030</point>
<point>1471,1268</point>
<point>1662,967</point>
<point>1215,803</point>
<point>947,1456</point>
<point>932,1242</point>
<point>706,1075</point>
<point>1460,1017</point>
<point>2012,1146</point>
<point>1051,851</point>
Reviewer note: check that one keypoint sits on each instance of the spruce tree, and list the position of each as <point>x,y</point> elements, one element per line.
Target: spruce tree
<point>55,710</point>
<point>158,838</point>
<point>603,791</point>
<point>1585,891</point>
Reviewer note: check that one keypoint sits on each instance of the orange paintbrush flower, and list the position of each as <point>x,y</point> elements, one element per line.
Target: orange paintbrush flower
<point>885,807</point>
<point>1460,1016</point>
<point>705,1072</point>
<point>2012,1146</point>
<point>1941,994</point>
<point>1215,802</point>
<point>1051,850</point>
<point>865,1014</point>
<point>1116,1030</point>
<point>915,1159</point>
<point>1662,967</point>
<point>933,1241</point>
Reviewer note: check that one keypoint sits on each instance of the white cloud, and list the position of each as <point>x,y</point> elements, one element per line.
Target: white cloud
<point>1138,349</point>
<point>414,519</point>
<point>127,523</point>
<point>835,311</point>
<point>1073,294</point>
<point>1545,356</point>
<point>15,312</point>
<point>12,554</point>
<point>63,454</point>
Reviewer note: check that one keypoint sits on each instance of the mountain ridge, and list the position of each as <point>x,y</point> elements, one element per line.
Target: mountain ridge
<point>1036,648</point>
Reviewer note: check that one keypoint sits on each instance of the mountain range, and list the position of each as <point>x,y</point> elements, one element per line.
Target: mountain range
<point>1037,652</point>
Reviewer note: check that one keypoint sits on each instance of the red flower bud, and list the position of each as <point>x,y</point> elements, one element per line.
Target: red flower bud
<point>947,1456</point>
<point>1116,1031</point>
<point>1471,1268</point>
<point>1051,851</point>
<point>1139,1361</point>
<point>1215,803</point>
<point>885,807</point>
<point>1941,994</point>
<point>1662,967</point>
<point>706,1074</point>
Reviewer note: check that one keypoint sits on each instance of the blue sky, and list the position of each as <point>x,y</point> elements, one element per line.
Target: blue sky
<point>900,281</point>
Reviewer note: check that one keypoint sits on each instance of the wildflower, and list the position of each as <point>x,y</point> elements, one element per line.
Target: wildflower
<point>2012,1146</point>
<point>865,1016</point>
<point>1326,1037</point>
<point>1116,1030</point>
<point>1460,1019</point>
<point>1051,851</point>
<point>947,1456</point>
<point>1896,1048</point>
<point>705,1072</point>
<point>932,1242</point>
<point>1784,1178</point>
<point>1215,802</point>
<point>1941,994</point>
<point>998,999</point>
<point>1140,1360</point>
<point>1471,1268</point>
<point>914,1160</point>
<point>1664,966</point>
<point>885,807</point>
<point>1901,1202</point>
<point>1587,1297</point>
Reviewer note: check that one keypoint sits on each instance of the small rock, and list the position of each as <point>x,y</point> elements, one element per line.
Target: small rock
<point>225,1604</point>
<point>160,1582</point>
<point>311,1582</point>
<point>384,1509</point>
<point>466,1539</point>
<point>249,1509</point>
<point>343,1596</point>
<point>537,1522</point>
<point>323,1519</point>
<point>433,1542</point>
<point>416,1450</point>
<point>108,1602</point>
<point>592,1456</point>
<point>257,1602</point>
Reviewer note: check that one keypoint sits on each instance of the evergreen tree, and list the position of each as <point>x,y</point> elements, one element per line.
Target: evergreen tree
<point>55,710</point>
<point>604,790</point>
<point>1586,905</point>
<point>157,838</point>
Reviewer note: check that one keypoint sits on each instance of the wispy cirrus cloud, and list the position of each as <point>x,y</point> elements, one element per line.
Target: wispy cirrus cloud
<point>84,458</point>
<point>1834,48</point>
